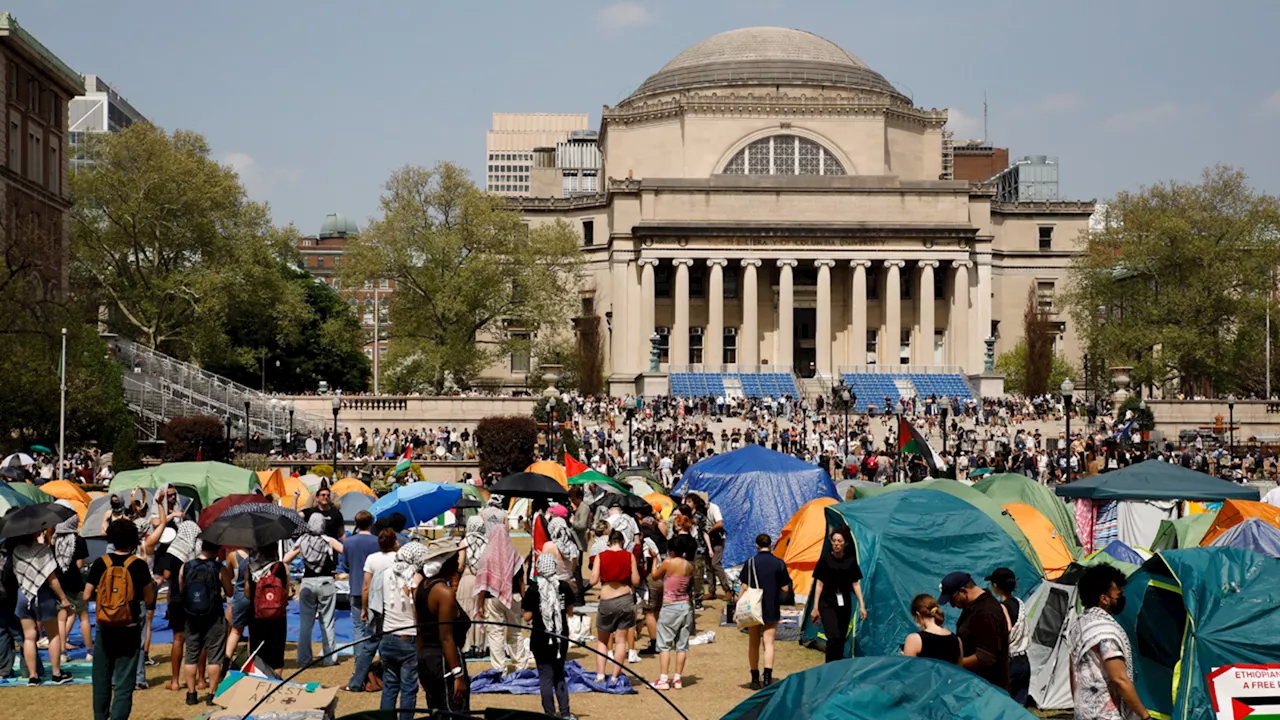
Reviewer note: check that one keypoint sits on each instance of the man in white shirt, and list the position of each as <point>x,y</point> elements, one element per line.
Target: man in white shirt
<point>715,528</point>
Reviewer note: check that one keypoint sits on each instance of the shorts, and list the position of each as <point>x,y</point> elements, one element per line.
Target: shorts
<point>653,603</point>
<point>241,612</point>
<point>78,603</point>
<point>616,614</point>
<point>176,615</point>
<point>208,634</point>
<point>673,626</point>
<point>42,608</point>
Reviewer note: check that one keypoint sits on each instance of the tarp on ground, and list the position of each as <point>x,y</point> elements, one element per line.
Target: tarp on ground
<point>880,688</point>
<point>1234,512</point>
<point>211,481</point>
<point>800,543</point>
<point>1184,532</point>
<point>905,543</point>
<point>1253,534</point>
<point>1190,611</point>
<point>525,682</point>
<point>1007,488</point>
<point>757,490</point>
<point>1156,480</point>
<point>1050,546</point>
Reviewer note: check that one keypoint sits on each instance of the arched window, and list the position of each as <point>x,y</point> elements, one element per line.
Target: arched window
<point>784,155</point>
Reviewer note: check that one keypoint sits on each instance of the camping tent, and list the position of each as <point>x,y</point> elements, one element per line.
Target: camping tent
<point>351,485</point>
<point>884,688</point>
<point>905,543</point>
<point>1184,532</point>
<point>352,503</point>
<point>271,481</point>
<point>1156,480</point>
<point>553,470</point>
<point>291,485</point>
<point>1050,546</point>
<point>1191,611</point>
<point>1253,534</point>
<point>800,543</point>
<point>844,487</point>
<point>757,490</point>
<point>1008,488</point>
<point>1051,610</point>
<point>211,481</point>
<point>1233,513</point>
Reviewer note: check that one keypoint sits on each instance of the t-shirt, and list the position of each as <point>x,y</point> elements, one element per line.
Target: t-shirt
<point>397,606</point>
<point>715,516</point>
<point>838,577</point>
<point>1094,698</point>
<point>72,580</point>
<point>124,638</point>
<point>355,550</point>
<point>542,645</point>
<point>769,573</point>
<point>985,632</point>
<point>374,563</point>
<point>333,523</point>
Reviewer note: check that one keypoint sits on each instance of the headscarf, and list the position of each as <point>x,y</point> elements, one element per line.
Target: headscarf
<point>64,543</point>
<point>314,544</point>
<point>477,539</point>
<point>498,565</point>
<point>562,536</point>
<point>549,603</point>
<point>184,545</point>
<point>409,561</point>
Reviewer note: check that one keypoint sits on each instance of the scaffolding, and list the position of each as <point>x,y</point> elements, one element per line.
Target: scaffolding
<point>948,155</point>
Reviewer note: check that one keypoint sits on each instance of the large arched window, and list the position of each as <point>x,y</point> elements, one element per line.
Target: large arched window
<point>784,155</point>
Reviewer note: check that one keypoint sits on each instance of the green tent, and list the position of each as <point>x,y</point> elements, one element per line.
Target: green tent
<point>861,492</point>
<point>31,492</point>
<point>11,498</point>
<point>1184,532</point>
<point>1192,611</point>
<point>640,481</point>
<point>1156,480</point>
<point>993,509</point>
<point>1008,488</point>
<point>592,476</point>
<point>881,688</point>
<point>210,481</point>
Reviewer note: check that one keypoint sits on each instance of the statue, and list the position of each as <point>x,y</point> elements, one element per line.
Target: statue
<point>989,359</point>
<point>655,352</point>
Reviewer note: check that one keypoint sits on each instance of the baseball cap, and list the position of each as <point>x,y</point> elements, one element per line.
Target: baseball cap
<point>952,584</point>
<point>1001,576</point>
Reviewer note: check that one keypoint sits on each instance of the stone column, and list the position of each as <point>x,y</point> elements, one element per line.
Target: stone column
<point>822,337</point>
<point>749,338</point>
<point>960,343</point>
<point>713,340</point>
<point>785,339</point>
<point>618,362</point>
<point>924,344</point>
<point>635,342</point>
<point>858,307</point>
<point>981,314</point>
<point>891,354</point>
<point>680,328</point>
<point>647,298</point>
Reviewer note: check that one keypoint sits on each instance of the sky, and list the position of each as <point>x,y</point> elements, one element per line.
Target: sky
<point>316,103</point>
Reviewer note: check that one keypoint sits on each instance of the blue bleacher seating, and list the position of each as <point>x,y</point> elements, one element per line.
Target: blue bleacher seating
<point>872,388</point>
<point>696,385</point>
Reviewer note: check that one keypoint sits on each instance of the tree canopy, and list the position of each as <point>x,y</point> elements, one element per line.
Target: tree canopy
<point>1177,282</point>
<point>467,271</point>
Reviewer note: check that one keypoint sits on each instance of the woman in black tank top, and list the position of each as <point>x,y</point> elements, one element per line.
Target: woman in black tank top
<point>442,632</point>
<point>933,640</point>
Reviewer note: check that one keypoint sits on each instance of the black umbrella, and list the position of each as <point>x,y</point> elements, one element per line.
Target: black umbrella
<point>249,530</point>
<point>15,473</point>
<point>629,503</point>
<point>32,519</point>
<point>529,485</point>
<point>466,503</point>
<point>269,510</point>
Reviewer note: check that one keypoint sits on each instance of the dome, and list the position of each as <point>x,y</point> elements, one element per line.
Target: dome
<point>764,56</point>
<point>337,225</point>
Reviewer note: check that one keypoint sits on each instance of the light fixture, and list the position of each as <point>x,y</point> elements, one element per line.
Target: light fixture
<point>1067,388</point>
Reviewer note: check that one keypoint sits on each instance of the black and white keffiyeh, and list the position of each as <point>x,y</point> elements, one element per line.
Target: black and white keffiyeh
<point>186,544</point>
<point>64,542</point>
<point>550,603</point>
<point>477,539</point>
<point>33,564</point>
<point>314,545</point>
<point>562,536</point>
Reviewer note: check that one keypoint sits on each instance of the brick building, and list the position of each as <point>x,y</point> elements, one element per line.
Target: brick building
<point>978,161</point>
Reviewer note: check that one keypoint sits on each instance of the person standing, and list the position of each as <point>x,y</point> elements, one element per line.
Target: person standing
<point>496,582</point>
<point>768,573</point>
<point>205,583</point>
<point>241,605</point>
<point>1003,584</point>
<point>443,671</point>
<point>548,610</point>
<point>837,580</point>
<point>983,627</point>
<point>933,641</point>
<point>181,549</point>
<point>268,589</point>
<point>40,600</point>
<point>71,551</point>
<point>716,535</point>
<point>473,545</point>
<point>355,550</point>
<point>120,584</point>
<point>1101,657</point>
<point>334,525</point>
<point>616,573</point>
<point>399,646</point>
<point>317,594</point>
<point>676,618</point>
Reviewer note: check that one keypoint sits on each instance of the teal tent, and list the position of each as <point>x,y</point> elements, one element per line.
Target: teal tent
<point>1008,488</point>
<point>905,542</point>
<point>1192,611</point>
<point>1156,480</point>
<point>882,688</point>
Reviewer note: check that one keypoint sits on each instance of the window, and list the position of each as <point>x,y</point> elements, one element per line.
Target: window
<point>55,168</point>
<point>590,181</point>
<point>907,280</point>
<point>730,355</point>
<point>320,263</point>
<point>784,155</point>
<point>664,343</point>
<point>382,352</point>
<point>873,349</point>
<point>697,282</point>
<point>520,353</point>
<point>662,280</point>
<point>1044,296</point>
<point>1046,237</point>
<point>13,80</point>
<point>15,146</point>
<point>939,282</point>
<point>904,347</point>
<point>384,283</point>
<point>306,243</point>
<point>588,306</point>
<point>36,158</point>
<point>368,352</point>
<point>588,232</point>
<point>695,345</point>
<point>731,283</point>
<point>873,282</point>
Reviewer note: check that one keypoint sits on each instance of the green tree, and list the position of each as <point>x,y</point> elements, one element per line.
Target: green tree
<point>1012,364</point>
<point>466,268</point>
<point>1038,342</point>
<point>1177,282</point>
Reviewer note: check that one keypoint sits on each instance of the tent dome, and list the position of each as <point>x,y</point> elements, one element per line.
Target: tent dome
<point>337,225</point>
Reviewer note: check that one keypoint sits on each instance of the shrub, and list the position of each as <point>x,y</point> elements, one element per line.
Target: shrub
<point>506,443</point>
<point>1145,419</point>
<point>124,456</point>
<point>185,438</point>
<point>323,470</point>
<point>253,461</point>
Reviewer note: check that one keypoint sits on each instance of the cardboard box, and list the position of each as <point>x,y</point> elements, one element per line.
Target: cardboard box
<point>249,690</point>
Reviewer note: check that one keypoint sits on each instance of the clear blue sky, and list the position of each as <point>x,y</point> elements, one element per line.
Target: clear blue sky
<point>316,102</point>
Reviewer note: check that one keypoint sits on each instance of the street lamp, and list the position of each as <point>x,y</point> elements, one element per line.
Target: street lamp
<point>292,407</point>
<point>336,403</point>
<point>944,405</point>
<point>246,425</point>
<point>630,405</point>
<point>227,420</point>
<point>1067,389</point>
<point>897,466</point>
<point>1231,423</point>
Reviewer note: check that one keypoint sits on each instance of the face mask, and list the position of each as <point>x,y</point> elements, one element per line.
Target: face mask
<point>1117,605</point>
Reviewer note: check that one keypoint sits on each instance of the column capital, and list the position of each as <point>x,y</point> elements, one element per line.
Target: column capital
<point>863,263</point>
<point>787,263</point>
<point>717,261</point>
<point>682,261</point>
<point>752,262</point>
<point>648,261</point>
<point>929,263</point>
<point>824,263</point>
<point>962,263</point>
<point>895,263</point>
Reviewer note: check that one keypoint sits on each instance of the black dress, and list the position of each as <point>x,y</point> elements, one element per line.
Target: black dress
<point>268,636</point>
<point>836,604</point>
<point>432,665</point>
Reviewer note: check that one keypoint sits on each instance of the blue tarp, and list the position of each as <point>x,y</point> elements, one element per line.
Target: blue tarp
<point>525,682</point>
<point>757,490</point>
<point>1253,534</point>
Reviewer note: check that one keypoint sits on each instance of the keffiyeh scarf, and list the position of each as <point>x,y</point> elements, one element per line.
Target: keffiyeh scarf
<point>562,536</point>
<point>498,566</point>
<point>549,600</point>
<point>477,540</point>
<point>33,564</point>
<point>184,545</point>
<point>314,545</point>
<point>64,542</point>
<point>1096,625</point>
<point>409,561</point>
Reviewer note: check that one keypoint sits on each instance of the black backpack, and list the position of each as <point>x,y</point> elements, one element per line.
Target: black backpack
<point>202,587</point>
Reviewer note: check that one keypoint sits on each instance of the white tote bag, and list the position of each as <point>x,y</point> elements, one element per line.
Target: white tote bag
<point>750,609</point>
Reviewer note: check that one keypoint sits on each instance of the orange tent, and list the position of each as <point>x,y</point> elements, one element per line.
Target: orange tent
<point>553,470</point>
<point>1233,513</point>
<point>1054,554</point>
<point>66,490</point>
<point>661,504</point>
<point>800,542</point>
<point>291,485</point>
<point>272,482</point>
<point>350,485</point>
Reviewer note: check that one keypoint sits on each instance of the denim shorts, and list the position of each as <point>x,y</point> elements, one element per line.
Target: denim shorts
<point>42,608</point>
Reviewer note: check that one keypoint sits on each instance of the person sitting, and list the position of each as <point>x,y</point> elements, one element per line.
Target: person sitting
<point>933,640</point>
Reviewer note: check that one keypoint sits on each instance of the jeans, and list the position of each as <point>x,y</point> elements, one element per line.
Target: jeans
<point>551,683</point>
<point>1019,678</point>
<point>114,663</point>
<point>11,636</point>
<point>317,594</point>
<point>399,673</point>
<point>140,677</point>
<point>835,625</point>
<point>364,651</point>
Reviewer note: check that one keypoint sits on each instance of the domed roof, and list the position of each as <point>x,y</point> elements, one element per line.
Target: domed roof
<point>337,225</point>
<point>764,56</point>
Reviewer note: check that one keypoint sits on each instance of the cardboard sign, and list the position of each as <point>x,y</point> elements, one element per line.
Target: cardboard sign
<point>246,693</point>
<point>1245,691</point>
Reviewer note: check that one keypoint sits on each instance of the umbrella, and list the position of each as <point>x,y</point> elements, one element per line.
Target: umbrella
<point>468,503</point>
<point>629,503</point>
<point>249,529</point>
<point>41,449</point>
<point>32,519</point>
<point>18,460</point>
<point>529,485</point>
<point>11,499</point>
<point>214,511</point>
<point>15,473</point>
<point>268,509</point>
<point>32,492</point>
<point>420,501</point>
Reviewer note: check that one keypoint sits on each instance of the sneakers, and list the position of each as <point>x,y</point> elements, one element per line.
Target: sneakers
<point>193,699</point>
<point>65,659</point>
<point>599,679</point>
<point>34,682</point>
<point>88,657</point>
<point>349,689</point>
<point>633,657</point>
<point>141,686</point>
<point>662,684</point>
<point>675,683</point>
<point>62,679</point>
<point>43,643</point>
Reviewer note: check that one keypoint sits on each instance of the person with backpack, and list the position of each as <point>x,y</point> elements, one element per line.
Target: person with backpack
<point>169,562</point>
<point>71,551</point>
<point>40,600</point>
<point>317,594</point>
<point>268,588</point>
<point>205,583</point>
<point>120,585</point>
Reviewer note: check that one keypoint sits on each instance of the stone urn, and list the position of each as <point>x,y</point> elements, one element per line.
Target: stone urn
<point>551,375</point>
<point>1120,379</point>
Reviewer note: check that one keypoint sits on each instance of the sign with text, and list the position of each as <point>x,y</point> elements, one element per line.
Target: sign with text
<point>246,693</point>
<point>1245,691</point>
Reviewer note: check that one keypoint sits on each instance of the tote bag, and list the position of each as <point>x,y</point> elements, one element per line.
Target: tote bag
<point>750,610</point>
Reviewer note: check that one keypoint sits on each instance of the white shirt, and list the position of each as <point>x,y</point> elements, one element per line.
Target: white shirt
<point>713,514</point>
<point>397,608</point>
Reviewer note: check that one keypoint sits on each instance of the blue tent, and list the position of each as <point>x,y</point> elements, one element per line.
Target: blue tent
<point>1253,534</point>
<point>757,490</point>
<point>883,688</point>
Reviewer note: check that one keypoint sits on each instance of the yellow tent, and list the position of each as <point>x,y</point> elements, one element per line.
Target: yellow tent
<point>1054,554</point>
<point>800,543</point>
<point>272,482</point>
<point>1233,513</point>
<point>292,485</point>
<point>350,485</point>
<point>553,470</point>
<point>661,504</point>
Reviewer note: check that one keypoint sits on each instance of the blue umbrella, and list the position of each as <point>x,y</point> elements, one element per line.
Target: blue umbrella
<point>419,501</point>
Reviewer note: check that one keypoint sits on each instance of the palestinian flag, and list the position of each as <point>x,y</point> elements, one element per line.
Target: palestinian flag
<point>910,441</point>
<point>572,467</point>
<point>256,668</point>
<point>405,461</point>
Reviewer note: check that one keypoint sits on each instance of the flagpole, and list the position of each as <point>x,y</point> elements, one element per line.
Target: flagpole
<point>62,411</point>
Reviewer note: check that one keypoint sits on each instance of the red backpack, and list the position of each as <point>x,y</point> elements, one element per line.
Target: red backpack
<point>270,601</point>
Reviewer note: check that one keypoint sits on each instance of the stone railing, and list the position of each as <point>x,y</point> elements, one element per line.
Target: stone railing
<point>1258,419</point>
<point>370,411</point>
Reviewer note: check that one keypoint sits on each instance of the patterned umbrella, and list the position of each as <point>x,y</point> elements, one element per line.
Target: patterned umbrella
<point>268,510</point>
<point>248,529</point>
<point>214,511</point>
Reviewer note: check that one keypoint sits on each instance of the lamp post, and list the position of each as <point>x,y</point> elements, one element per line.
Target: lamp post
<point>227,420</point>
<point>630,405</point>
<point>336,403</point>
<point>1067,389</point>
<point>944,406</point>
<point>551,426</point>
<point>1231,424</point>
<point>897,466</point>
<point>275,404</point>
<point>292,408</point>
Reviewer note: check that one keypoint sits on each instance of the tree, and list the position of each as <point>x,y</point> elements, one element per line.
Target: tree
<point>1038,338</point>
<point>506,443</point>
<point>1177,282</point>
<point>466,270</point>
<point>1012,364</point>
<point>198,436</point>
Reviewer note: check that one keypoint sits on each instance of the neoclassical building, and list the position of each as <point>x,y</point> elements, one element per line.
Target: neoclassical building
<point>773,201</point>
